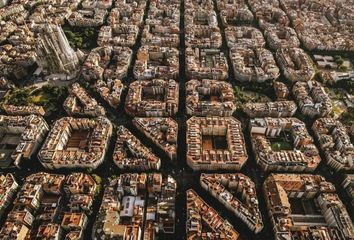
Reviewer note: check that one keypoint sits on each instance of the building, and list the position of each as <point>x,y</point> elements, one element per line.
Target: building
<point>79,103</point>
<point>130,153</point>
<point>200,213</point>
<point>281,37</point>
<point>156,62</point>
<point>201,28</point>
<point>7,28</point>
<point>318,35</point>
<point>51,12</point>
<point>110,91</point>
<point>18,53</point>
<point>38,211</point>
<point>152,98</point>
<point>348,185</point>
<point>244,36</point>
<point>334,140</point>
<point>253,64</point>
<point>330,71</point>
<point>21,137</point>
<point>281,90</point>
<point>23,110</point>
<point>3,3</point>
<point>224,186</point>
<point>283,144</point>
<point>209,98</point>
<point>8,190</point>
<point>76,143</point>
<point>128,12</point>
<point>125,200</point>
<point>122,208</point>
<point>312,99</point>
<point>16,230</point>
<point>269,14</point>
<point>87,17</point>
<point>5,86</point>
<point>206,64</point>
<point>233,12</point>
<point>206,4</point>
<point>96,4</point>
<point>295,64</point>
<point>49,231</point>
<point>106,63</point>
<point>162,132</point>
<point>15,12</point>
<point>325,216</point>
<point>162,24</point>
<point>54,54</point>
<point>270,109</point>
<point>215,143</point>
<point>118,35</point>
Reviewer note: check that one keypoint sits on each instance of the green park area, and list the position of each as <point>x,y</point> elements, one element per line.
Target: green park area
<point>348,117</point>
<point>83,38</point>
<point>344,63</point>
<point>244,96</point>
<point>342,103</point>
<point>50,97</point>
<point>281,145</point>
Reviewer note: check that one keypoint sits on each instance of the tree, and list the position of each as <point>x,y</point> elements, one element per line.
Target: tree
<point>20,96</point>
<point>97,178</point>
<point>81,37</point>
<point>343,68</point>
<point>339,61</point>
<point>348,117</point>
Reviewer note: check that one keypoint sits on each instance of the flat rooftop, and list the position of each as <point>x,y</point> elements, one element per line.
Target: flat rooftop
<point>214,142</point>
<point>305,212</point>
<point>5,158</point>
<point>149,96</point>
<point>10,139</point>
<point>8,144</point>
<point>210,97</point>
<point>78,139</point>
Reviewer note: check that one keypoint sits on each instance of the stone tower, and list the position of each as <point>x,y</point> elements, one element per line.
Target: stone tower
<point>54,54</point>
